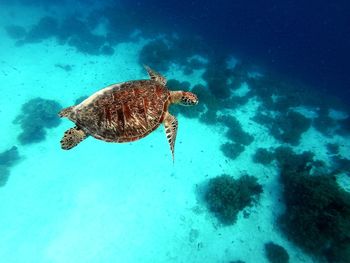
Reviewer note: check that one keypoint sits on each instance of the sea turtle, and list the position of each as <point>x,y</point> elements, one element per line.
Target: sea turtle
<point>126,112</point>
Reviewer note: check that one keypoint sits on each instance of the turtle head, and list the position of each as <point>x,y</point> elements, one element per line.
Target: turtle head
<point>184,98</point>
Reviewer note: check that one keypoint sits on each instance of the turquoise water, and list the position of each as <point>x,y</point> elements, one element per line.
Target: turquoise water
<point>129,202</point>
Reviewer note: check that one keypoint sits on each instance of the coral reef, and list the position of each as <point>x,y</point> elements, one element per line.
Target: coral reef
<point>8,159</point>
<point>76,33</point>
<point>276,253</point>
<point>193,64</point>
<point>286,157</point>
<point>332,148</point>
<point>36,115</point>
<point>216,76</point>
<point>344,128</point>
<point>234,102</point>
<point>324,124</point>
<point>226,196</point>
<point>263,156</point>
<point>47,27</point>
<point>287,93</point>
<point>71,31</point>
<point>263,119</point>
<point>289,127</point>
<point>263,88</point>
<point>107,50</point>
<point>209,117</point>
<point>239,136</point>
<point>232,150</point>
<point>174,84</point>
<point>161,53</point>
<point>4,175</point>
<point>157,55</point>
<point>340,165</point>
<point>317,211</point>
<point>235,132</point>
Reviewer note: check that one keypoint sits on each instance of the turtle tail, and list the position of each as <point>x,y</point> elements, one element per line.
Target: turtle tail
<point>65,112</point>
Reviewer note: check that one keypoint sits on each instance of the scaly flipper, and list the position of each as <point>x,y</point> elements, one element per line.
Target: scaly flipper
<point>72,138</point>
<point>155,75</point>
<point>171,124</point>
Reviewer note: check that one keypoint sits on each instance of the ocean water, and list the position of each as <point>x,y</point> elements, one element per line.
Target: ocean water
<point>262,163</point>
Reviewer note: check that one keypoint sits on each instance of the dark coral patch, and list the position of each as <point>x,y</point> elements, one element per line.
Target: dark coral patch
<point>107,50</point>
<point>332,148</point>
<point>156,54</point>
<point>72,31</point>
<point>317,210</point>
<point>263,156</point>
<point>235,132</point>
<point>263,119</point>
<point>232,150</point>
<point>47,27</point>
<point>344,128</point>
<point>276,253</point>
<point>8,159</point>
<point>340,165</point>
<point>37,114</point>
<point>216,76</point>
<point>286,157</point>
<point>324,124</point>
<point>174,84</point>
<point>209,117</point>
<point>161,53</point>
<point>193,64</point>
<point>288,127</point>
<point>239,136</point>
<point>4,175</point>
<point>226,197</point>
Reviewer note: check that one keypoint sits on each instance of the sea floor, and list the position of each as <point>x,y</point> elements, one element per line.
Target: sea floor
<point>105,202</point>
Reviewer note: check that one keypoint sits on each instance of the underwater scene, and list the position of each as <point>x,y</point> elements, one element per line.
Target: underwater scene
<point>174,131</point>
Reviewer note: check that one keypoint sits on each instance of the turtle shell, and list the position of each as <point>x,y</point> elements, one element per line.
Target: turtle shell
<point>123,112</point>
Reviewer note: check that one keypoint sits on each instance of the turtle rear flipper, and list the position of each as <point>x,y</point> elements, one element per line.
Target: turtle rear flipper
<point>72,138</point>
<point>155,75</point>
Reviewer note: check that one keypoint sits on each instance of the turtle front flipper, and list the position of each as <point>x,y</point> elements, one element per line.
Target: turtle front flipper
<point>72,138</point>
<point>170,123</point>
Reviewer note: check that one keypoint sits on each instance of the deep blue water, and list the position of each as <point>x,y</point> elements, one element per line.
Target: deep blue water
<point>307,40</point>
